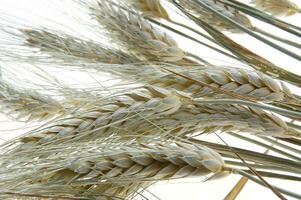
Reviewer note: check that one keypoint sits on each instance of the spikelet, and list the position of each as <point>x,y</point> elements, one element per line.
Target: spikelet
<point>89,169</point>
<point>152,8</point>
<point>27,105</point>
<point>200,12</point>
<point>136,34</point>
<point>277,7</point>
<point>67,48</point>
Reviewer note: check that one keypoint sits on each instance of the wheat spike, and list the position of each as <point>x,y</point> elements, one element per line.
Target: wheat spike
<point>277,7</point>
<point>151,8</point>
<point>89,169</point>
<point>27,105</point>
<point>158,113</point>
<point>136,34</point>
<point>215,21</point>
<point>246,83</point>
<point>67,48</point>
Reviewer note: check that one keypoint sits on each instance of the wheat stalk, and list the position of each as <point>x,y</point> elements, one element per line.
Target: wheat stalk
<point>136,34</point>
<point>215,21</point>
<point>277,7</point>
<point>27,104</point>
<point>89,169</point>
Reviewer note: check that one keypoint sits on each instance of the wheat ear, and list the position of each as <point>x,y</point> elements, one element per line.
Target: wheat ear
<point>158,113</point>
<point>277,7</point>
<point>136,34</point>
<point>195,9</point>
<point>27,105</point>
<point>248,84</point>
<point>66,48</point>
<point>151,8</point>
<point>86,169</point>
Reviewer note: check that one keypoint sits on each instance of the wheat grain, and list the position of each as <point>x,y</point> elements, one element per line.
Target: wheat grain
<point>215,21</point>
<point>89,169</point>
<point>27,105</point>
<point>151,8</point>
<point>277,7</point>
<point>136,34</point>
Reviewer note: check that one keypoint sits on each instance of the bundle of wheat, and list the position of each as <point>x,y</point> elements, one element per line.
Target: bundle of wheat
<point>117,142</point>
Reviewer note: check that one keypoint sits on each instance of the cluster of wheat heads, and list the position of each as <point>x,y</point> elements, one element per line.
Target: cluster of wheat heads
<point>154,119</point>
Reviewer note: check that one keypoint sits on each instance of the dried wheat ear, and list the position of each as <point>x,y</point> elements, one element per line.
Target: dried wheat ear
<point>201,12</point>
<point>67,48</point>
<point>132,32</point>
<point>277,7</point>
<point>157,112</point>
<point>152,8</point>
<point>27,105</point>
<point>245,83</point>
<point>100,170</point>
<point>236,83</point>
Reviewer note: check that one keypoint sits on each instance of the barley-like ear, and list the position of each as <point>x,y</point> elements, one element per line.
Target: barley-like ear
<point>27,105</point>
<point>88,167</point>
<point>157,113</point>
<point>277,7</point>
<point>249,84</point>
<point>151,8</point>
<point>136,34</point>
<point>246,83</point>
<point>198,11</point>
<point>65,48</point>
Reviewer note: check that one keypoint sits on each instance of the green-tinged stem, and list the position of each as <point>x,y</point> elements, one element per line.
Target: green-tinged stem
<point>260,167</point>
<point>276,175</point>
<point>276,143</point>
<point>263,16</point>
<point>285,41</point>
<point>266,146</point>
<point>251,33</point>
<point>283,191</point>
